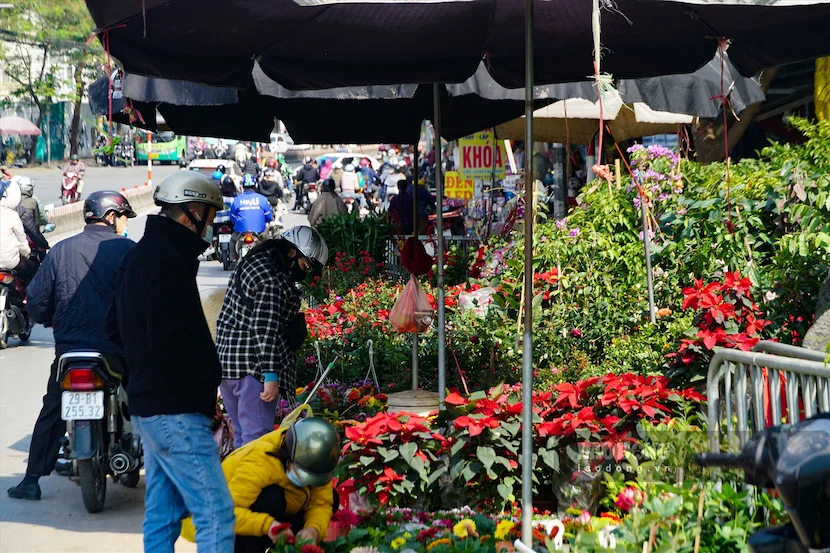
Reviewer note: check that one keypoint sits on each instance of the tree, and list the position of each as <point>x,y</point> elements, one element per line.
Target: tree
<point>40,34</point>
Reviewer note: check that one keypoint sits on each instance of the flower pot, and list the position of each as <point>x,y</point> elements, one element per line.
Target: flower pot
<point>418,402</point>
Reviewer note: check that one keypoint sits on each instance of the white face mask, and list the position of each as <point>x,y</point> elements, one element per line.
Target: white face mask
<point>295,478</point>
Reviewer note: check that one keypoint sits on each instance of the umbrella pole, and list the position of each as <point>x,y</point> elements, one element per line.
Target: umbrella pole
<point>415,234</point>
<point>439,220</point>
<point>647,248</point>
<point>527,348</point>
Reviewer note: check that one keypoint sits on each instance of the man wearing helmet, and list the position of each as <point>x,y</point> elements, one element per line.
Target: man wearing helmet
<point>271,184</point>
<point>31,214</point>
<point>350,186</point>
<point>173,368</point>
<point>14,247</point>
<point>307,174</point>
<point>260,328</point>
<point>250,211</point>
<point>76,166</point>
<point>78,271</point>
<point>282,478</point>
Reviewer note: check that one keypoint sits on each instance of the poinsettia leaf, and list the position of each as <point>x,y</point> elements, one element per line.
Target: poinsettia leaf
<point>417,465</point>
<point>504,491</point>
<point>457,446</point>
<point>512,428</point>
<point>435,475</point>
<point>475,396</point>
<point>468,473</point>
<point>408,451</point>
<point>487,456</point>
<point>366,460</point>
<point>550,459</point>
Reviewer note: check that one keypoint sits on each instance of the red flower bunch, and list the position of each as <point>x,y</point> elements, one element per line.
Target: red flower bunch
<point>726,317</point>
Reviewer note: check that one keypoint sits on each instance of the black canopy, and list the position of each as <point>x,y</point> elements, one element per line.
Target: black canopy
<point>313,44</point>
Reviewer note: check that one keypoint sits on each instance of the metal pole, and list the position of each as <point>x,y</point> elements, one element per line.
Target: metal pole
<point>48,140</point>
<point>439,200</point>
<point>647,247</point>
<point>415,234</point>
<point>149,159</point>
<point>527,351</point>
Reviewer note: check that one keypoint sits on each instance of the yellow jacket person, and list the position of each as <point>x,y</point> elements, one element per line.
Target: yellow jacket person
<point>281,478</point>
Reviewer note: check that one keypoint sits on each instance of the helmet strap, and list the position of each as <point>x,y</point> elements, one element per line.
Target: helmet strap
<point>200,225</point>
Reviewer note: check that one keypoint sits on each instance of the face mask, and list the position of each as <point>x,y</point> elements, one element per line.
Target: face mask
<point>295,478</point>
<point>297,273</point>
<point>124,234</point>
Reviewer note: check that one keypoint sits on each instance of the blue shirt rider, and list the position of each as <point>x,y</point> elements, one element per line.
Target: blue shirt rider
<point>250,211</point>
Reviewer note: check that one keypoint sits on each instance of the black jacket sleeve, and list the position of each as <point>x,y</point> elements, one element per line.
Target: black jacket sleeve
<point>31,227</point>
<point>41,291</point>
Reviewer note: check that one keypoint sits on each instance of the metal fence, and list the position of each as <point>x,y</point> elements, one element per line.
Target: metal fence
<point>750,390</point>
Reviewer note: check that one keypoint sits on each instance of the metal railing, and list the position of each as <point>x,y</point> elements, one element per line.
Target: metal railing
<point>744,390</point>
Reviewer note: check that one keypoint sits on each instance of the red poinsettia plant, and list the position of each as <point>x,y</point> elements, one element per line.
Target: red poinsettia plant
<point>725,316</point>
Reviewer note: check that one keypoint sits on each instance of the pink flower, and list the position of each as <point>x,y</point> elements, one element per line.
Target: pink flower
<point>584,518</point>
<point>629,498</point>
<point>576,333</point>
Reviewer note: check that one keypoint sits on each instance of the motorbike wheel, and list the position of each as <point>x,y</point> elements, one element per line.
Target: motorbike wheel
<point>4,331</point>
<point>226,260</point>
<point>130,479</point>
<point>63,200</point>
<point>93,478</point>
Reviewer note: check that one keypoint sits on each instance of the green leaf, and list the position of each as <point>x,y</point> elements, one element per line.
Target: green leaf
<point>504,491</point>
<point>408,451</point>
<point>366,461</point>
<point>487,456</point>
<point>550,459</point>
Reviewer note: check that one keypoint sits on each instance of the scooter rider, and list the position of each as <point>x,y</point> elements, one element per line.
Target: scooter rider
<point>307,174</point>
<point>271,184</point>
<point>80,270</point>
<point>250,211</point>
<point>14,246</point>
<point>76,166</point>
<point>32,214</point>
<point>350,186</point>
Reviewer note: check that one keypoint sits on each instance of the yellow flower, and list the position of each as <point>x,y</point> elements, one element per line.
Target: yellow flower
<point>503,529</point>
<point>299,391</point>
<point>464,529</point>
<point>397,542</point>
<point>407,535</point>
<point>436,543</point>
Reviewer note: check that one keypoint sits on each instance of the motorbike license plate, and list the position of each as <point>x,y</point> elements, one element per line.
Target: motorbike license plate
<point>224,238</point>
<point>82,406</point>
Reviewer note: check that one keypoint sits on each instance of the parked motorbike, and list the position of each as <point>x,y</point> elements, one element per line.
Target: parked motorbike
<point>311,195</point>
<point>245,243</point>
<point>222,231</point>
<point>101,441</point>
<point>794,460</point>
<point>14,319</point>
<point>69,187</point>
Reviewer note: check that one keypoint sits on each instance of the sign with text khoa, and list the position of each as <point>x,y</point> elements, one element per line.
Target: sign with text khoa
<point>479,156</point>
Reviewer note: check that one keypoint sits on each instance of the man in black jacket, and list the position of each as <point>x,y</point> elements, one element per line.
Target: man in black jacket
<point>72,292</point>
<point>307,174</point>
<point>174,371</point>
<point>32,216</point>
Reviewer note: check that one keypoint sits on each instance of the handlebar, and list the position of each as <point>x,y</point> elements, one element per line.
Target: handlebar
<point>723,460</point>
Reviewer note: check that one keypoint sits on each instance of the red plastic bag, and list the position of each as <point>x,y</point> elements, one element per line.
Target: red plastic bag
<point>412,311</point>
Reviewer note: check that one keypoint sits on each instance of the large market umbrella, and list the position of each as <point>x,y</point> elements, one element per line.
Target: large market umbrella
<point>18,126</point>
<point>314,44</point>
<point>576,121</point>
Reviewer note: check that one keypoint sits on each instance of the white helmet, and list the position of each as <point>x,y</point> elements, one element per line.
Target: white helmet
<point>9,195</point>
<point>337,165</point>
<point>393,161</point>
<point>27,186</point>
<point>401,164</point>
<point>306,159</point>
<point>349,168</point>
<point>309,242</point>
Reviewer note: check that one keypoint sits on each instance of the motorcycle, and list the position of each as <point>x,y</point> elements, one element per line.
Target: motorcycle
<point>69,188</point>
<point>311,195</point>
<point>101,440</point>
<point>14,319</point>
<point>794,460</point>
<point>222,231</point>
<point>245,243</point>
<point>219,151</point>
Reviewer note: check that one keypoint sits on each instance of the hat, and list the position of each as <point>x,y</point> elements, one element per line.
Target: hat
<point>414,257</point>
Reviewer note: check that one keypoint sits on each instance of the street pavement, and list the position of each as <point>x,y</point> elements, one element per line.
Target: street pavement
<point>48,179</point>
<point>59,522</point>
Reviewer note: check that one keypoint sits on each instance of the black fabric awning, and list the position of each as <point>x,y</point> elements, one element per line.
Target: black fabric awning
<point>314,44</point>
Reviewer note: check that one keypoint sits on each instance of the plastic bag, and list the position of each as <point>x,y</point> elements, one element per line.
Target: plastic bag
<point>412,311</point>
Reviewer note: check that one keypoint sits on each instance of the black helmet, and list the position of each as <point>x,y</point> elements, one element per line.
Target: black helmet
<point>220,168</point>
<point>182,162</point>
<point>329,185</point>
<point>98,204</point>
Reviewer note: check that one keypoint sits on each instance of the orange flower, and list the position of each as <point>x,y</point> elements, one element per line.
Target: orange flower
<point>664,312</point>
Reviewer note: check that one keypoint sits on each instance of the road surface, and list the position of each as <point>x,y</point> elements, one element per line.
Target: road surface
<point>59,522</point>
<point>48,180</point>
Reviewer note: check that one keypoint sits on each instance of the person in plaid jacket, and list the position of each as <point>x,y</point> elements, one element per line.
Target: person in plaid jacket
<point>260,328</point>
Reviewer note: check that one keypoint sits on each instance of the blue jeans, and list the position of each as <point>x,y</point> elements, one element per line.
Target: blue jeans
<point>184,475</point>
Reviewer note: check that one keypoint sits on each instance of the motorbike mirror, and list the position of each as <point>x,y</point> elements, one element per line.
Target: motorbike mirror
<point>49,207</point>
<point>50,227</point>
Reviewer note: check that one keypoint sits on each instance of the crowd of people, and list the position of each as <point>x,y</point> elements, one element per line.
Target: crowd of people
<point>138,304</point>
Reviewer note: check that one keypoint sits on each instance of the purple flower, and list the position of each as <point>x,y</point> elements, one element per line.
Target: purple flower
<point>681,211</point>
<point>576,333</point>
<point>635,148</point>
<point>574,233</point>
<point>637,202</point>
<point>561,224</point>
<point>662,197</point>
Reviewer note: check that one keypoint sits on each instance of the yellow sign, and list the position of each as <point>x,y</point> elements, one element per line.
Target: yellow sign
<point>480,154</point>
<point>456,188</point>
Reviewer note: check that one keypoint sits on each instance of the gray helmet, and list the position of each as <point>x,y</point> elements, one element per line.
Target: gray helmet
<point>74,157</point>
<point>188,186</point>
<point>314,448</point>
<point>309,242</point>
<point>27,186</point>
